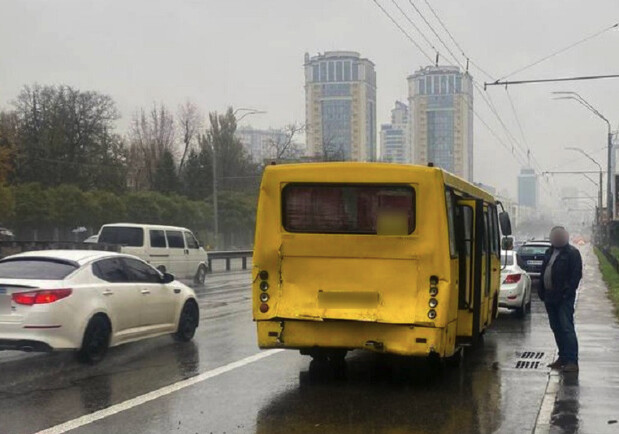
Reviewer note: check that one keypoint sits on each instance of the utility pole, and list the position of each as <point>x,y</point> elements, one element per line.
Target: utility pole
<point>249,111</point>
<point>601,182</point>
<point>610,188</point>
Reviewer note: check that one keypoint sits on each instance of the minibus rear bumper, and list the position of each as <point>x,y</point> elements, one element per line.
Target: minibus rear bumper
<point>402,339</point>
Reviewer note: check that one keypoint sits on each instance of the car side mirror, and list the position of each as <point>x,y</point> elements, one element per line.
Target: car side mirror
<point>505,223</point>
<point>507,243</point>
<point>167,278</point>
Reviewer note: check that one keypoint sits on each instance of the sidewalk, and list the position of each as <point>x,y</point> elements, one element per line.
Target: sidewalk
<point>588,402</point>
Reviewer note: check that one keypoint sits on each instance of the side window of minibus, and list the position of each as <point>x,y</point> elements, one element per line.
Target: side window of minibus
<point>494,242</point>
<point>449,201</point>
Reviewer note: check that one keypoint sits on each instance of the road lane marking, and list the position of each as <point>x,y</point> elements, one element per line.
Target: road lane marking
<point>151,396</point>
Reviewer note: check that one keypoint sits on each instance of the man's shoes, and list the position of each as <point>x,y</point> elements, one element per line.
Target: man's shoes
<point>570,367</point>
<point>557,364</point>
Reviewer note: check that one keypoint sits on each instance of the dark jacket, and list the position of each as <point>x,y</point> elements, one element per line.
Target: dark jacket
<point>566,275</point>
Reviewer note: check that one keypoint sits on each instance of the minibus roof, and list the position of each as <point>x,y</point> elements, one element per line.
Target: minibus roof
<point>372,172</point>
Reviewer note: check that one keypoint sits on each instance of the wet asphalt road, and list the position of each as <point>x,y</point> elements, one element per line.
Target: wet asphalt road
<point>281,392</point>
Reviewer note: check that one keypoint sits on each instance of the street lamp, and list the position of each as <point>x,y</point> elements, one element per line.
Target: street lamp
<point>609,187</point>
<point>601,174</point>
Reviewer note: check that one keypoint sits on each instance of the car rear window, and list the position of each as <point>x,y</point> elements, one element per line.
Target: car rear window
<point>346,208</point>
<point>122,235</point>
<point>36,268</point>
<point>507,259</point>
<point>533,250</point>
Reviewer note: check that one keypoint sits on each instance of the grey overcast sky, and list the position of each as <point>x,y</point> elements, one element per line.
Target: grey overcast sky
<point>249,53</point>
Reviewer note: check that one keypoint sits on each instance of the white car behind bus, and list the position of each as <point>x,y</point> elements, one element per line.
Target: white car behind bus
<point>515,291</point>
<point>168,248</point>
<point>88,301</point>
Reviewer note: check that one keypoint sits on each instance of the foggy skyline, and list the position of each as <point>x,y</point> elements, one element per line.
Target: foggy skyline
<point>250,54</point>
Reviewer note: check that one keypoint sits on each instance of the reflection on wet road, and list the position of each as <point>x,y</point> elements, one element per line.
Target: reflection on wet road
<point>283,392</point>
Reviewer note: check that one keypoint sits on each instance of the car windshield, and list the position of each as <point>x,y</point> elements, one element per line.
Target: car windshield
<point>534,249</point>
<point>35,268</point>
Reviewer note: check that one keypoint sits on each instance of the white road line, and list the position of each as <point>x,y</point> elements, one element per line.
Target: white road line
<point>150,396</point>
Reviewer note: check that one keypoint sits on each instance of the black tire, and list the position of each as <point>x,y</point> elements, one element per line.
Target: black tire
<point>200,276</point>
<point>455,359</point>
<point>96,340</point>
<point>188,322</point>
<point>522,310</point>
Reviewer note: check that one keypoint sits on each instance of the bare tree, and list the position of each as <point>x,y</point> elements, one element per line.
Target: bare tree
<point>332,148</point>
<point>283,146</point>
<point>189,121</point>
<point>151,135</point>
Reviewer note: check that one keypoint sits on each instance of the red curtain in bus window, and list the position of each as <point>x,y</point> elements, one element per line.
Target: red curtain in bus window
<point>328,209</point>
<point>298,211</point>
<point>366,210</point>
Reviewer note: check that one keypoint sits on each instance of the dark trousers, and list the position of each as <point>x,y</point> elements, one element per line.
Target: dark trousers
<point>561,318</point>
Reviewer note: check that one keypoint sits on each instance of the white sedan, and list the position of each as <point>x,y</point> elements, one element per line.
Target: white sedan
<point>89,301</point>
<point>515,290</point>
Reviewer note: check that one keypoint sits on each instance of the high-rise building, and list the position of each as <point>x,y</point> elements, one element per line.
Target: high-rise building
<point>527,188</point>
<point>340,106</point>
<point>441,111</point>
<point>394,143</point>
<point>260,144</point>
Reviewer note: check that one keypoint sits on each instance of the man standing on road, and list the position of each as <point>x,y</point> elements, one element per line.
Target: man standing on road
<point>559,279</point>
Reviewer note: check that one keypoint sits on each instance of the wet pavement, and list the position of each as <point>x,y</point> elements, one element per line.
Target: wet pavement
<point>216,384</point>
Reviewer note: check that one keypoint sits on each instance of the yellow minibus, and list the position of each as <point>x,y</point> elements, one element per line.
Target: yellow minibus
<point>398,259</point>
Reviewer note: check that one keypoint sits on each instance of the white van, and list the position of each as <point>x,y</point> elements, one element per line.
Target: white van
<point>168,248</point>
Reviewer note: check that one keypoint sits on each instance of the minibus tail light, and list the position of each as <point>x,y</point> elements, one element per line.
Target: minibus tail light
<point>264,297</point>
<point>264,275</point>
<point>434,291</point>
<point>264,308</point>
<point>264,285</point>
<point>433,303</point>
<point>431,314</point>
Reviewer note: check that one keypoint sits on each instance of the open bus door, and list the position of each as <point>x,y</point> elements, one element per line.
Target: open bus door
<point>472,268</point>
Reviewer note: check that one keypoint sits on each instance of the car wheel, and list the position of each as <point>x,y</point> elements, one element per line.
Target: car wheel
<point>96,340</point>
<point>455,359</point>
<point>200,276</point>
<point>522,310</point>
<point>188,322</point>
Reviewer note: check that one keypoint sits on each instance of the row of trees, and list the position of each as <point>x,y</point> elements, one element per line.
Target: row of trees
<point>63,163</point>
<point>43,213</point>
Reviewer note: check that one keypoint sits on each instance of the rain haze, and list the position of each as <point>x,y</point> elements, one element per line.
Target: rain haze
<point>250,54</point>
<point>294,216</point>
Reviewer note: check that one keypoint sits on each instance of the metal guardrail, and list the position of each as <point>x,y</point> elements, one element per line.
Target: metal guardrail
<point>8,248</point>
<point>228,256</point>
<point>610,258</point>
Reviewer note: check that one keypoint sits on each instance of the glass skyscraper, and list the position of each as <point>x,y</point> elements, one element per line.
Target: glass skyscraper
<point>441,119</point>
<point>340,106</point>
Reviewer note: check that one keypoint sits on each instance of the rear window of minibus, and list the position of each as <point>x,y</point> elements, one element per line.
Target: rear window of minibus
<point>349,209</point>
